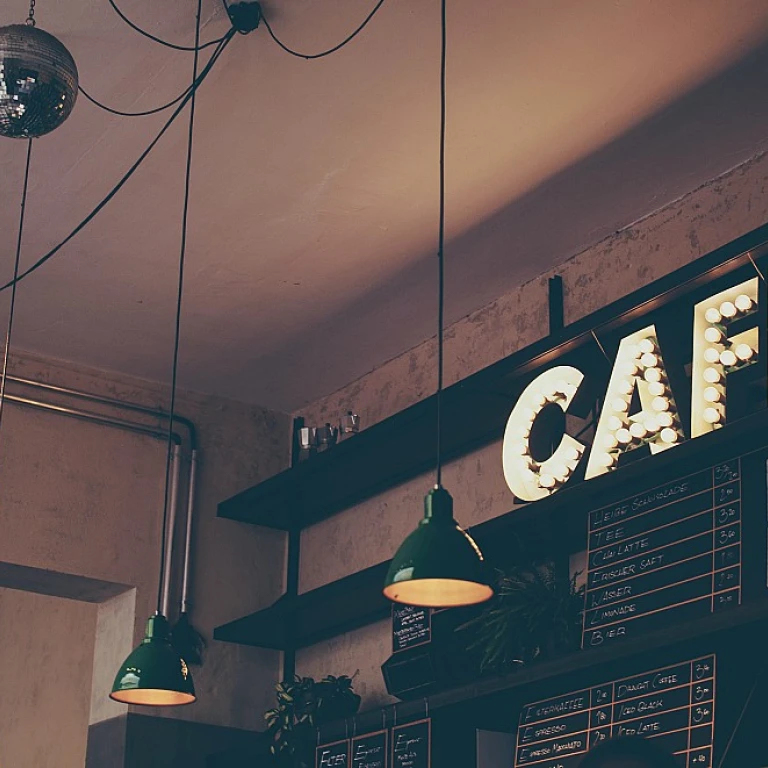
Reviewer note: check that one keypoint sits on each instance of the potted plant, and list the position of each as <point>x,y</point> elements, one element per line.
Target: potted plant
<point>535,614</point>
<point>302,705</point>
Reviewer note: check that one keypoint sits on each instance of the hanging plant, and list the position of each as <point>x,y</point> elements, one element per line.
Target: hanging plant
<point>535,614</point>
<point>303,705</point>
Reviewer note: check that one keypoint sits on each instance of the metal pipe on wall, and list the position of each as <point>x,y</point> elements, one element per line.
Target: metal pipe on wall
<point>173,502</point>
<point>188,532</point>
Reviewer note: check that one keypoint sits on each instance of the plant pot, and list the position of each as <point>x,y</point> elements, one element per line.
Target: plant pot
<point>333,705</point>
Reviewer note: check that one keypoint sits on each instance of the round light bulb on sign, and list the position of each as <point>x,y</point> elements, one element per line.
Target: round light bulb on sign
<point>669,435</point>
<point>638,430</point>
<point>743,302</point>
<point>614,423</point>
<point>647,345</point>
<point>664,419</point>
<point>712,395</point>
<point>712,376</point>
<point>713,335</point>
<point>652,374</point>
<point>624,436</point>
<point>619,405</point>
<point>744,352</point>
<point>711,355</point>
<point>712,315</point>
<point>728,358</point>
<point>656,389</point>
<point>649,360</point>
<point>728,310</point>
<point>660,404</point>
<point>712,415</point>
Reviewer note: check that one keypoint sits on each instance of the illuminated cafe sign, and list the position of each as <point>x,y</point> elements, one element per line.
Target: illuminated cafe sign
<point>639,406</point>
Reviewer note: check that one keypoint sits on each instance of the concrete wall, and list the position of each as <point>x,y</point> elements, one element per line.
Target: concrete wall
<point>694,225</point>
<point>86,500</point>
<point>45,665</point>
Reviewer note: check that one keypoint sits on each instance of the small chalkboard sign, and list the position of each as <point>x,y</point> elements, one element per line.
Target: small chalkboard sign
<point>370,751</point>
<point>411,626</point>
<point>411,745</point>
<point>334,755</point>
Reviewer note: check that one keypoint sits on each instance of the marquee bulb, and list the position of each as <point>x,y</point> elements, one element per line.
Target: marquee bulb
<point>647,345</point>
<point>712,395</point>
<point>627,368</point>
<point>557,469</point>
<point>651,423</point>
<point>712,315</point>
<point>744,352</point>
<point>614,423</point>
<point>712,415</point>
<point>624,436</point>
<point>570,453</point>
<point>649,360</point>
<point>620,405</point>
<point>652,374</point>
<point>547,481</point>
<point>605,460</point>
<point>656,388</point>
<point>711,355</point>
<point>660,404</point>
<point>636,429</point>
<point>520,447</point>
<point>624,386</point>
<point>743,303</point>
<point>665,419</point>
<point>728,358</point>
<point>669,435</point>
<point>610,441</point>
<point>632,351</point>
<point>712,376</point>
<point>713,335</point>
<point>728,309</point>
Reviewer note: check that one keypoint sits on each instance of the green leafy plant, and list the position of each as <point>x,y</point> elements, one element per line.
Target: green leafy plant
<point>535,614</point>
<point>302,705</point>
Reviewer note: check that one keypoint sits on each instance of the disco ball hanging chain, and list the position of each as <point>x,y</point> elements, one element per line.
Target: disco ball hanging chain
<point>38,80</point>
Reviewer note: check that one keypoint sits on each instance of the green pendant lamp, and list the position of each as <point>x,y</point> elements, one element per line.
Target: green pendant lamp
<point>439,565</point>
<point>154,674</point>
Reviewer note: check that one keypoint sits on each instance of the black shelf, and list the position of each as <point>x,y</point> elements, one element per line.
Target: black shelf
<point>475,409</point>
<point>693,638</point>
<point>298,622</point>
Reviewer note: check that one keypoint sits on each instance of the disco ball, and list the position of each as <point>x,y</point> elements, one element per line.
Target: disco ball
<point>38,82</point>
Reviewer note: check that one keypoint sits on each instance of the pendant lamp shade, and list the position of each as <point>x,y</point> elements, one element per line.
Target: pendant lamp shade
<point>438,565</point>
<point>154,674</point>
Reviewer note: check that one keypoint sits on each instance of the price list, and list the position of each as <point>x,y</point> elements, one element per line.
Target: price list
<point>674,705</point>
<point>669,554</point>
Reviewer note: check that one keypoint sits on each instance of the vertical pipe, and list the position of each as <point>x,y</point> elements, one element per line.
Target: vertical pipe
<point>173,497</point>
<point>292,591</point>
<point>188,531</point>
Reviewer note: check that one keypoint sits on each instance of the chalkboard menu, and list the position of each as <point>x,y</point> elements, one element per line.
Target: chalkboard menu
<point>370,751</point>
<point>335,755</point>
<point>411,745</point>
<point>665,555</point>
<point>674,705</point>
<point>411,626</point>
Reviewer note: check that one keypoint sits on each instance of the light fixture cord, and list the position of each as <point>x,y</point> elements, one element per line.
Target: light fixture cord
<point>17,261</point>
<point>441,248</point>
<point>179,300</point>
<point>31,18</point>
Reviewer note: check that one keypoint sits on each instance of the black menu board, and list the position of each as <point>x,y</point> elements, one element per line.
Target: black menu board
<point>411,745</point>
<point>334,755</point>
<point>370,751</point>
<point>674,705</point>
<point>665,555</point>
<point>411,626</point>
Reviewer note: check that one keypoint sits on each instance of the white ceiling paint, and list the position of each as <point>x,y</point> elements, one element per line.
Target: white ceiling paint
<point>311,251</point>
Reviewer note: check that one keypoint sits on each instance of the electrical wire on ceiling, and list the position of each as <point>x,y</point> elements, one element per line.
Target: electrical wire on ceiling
<point>182,100</point>
<point>156,39</point>
<point>127,175</point>
<point>328,52</point>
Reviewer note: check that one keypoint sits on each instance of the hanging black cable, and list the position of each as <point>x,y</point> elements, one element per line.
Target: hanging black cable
<point>12,308</point>
<point>179,301</point>
<point>92,215</point>
<point>119,113</point>
<point>136,28</point>
<point>320,55</point>
<point>441,248</point>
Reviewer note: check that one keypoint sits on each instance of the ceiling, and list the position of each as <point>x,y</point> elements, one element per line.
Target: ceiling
<point>313,212</point>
